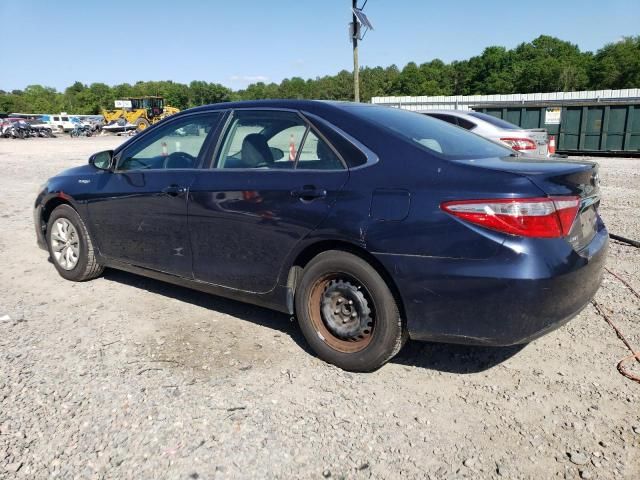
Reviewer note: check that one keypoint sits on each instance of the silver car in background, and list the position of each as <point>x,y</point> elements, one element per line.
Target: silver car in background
<point>530,142</point>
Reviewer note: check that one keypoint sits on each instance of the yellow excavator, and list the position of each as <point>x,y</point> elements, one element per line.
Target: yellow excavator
<point>139,111</point>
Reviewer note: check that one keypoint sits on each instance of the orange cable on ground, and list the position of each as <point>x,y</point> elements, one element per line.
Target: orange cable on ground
<point>634,354</point>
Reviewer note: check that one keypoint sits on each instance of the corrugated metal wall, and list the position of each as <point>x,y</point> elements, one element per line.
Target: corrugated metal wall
<point>583,122</point>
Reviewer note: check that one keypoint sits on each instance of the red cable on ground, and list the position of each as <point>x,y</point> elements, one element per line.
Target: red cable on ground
<point>634,354</point>
<point>624,282</point>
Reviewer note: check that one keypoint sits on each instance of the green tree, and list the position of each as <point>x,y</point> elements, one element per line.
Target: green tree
<point>549,64</point>
<point>617,65</point>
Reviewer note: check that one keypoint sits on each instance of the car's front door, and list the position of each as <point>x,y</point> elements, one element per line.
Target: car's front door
<point>139,213</point>
<point>272,181</point>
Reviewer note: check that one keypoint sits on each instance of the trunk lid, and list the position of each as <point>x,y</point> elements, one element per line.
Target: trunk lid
<point>540,136</point>
<point>559,178</point>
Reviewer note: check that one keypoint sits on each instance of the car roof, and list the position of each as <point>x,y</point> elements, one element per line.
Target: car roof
<point>274,103</point>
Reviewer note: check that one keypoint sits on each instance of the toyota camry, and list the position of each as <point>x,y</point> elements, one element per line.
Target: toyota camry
<point>370,224</point>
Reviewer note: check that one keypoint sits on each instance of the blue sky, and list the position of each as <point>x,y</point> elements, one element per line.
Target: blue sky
<point>239,42</point>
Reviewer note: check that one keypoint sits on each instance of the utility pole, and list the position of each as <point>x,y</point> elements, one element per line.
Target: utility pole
<point>356,69</point>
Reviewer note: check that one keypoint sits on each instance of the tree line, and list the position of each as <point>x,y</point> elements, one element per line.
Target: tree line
<point>546,64</point>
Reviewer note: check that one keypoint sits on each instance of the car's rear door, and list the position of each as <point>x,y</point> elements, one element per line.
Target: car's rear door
<point>272,181</point>
<point>139,212</point>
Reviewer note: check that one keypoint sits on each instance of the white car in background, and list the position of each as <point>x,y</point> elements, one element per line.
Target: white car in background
<point>530,142</point>
<point>59,123</point>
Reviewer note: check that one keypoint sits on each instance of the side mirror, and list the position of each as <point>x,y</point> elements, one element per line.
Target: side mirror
<point>102,160</point>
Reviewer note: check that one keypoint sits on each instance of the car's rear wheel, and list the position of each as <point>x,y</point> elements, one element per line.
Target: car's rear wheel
<point>347,312</point>
<point>70,246</point>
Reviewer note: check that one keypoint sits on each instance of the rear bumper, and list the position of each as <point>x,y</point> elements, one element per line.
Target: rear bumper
<point>530,288</point>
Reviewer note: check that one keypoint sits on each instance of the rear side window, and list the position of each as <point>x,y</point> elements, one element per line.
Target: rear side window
<point>271,139</point>
<point>351,154</point>
<point>435,136</point>
<point>317,155</point>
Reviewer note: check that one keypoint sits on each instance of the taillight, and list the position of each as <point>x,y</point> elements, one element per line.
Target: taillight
<point>520,143</point>
<point>544,217</point>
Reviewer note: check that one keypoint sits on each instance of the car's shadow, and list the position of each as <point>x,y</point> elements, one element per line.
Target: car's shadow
<point>435,356</point>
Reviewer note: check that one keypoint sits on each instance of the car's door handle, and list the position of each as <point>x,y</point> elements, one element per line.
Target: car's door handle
<point>308,192</point>
<point>174,190</point>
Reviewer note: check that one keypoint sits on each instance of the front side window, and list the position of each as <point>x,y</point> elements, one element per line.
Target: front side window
<point>274,140</point>
<point>174,145</point>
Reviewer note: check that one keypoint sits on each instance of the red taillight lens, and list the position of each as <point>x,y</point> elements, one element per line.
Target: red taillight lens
<point>545,217</point>
<point>520,143</point>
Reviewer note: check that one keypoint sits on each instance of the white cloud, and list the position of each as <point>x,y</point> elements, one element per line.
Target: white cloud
<point>248,78</point>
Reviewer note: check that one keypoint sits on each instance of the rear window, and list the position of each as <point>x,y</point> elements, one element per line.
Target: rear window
<point>495,121</point>
<point>434,135</point>
<point>466,124</point>
<point>445,118</point>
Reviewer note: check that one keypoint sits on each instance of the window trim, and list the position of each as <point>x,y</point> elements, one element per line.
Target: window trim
<point>309,126</point>
<point>201,155</point>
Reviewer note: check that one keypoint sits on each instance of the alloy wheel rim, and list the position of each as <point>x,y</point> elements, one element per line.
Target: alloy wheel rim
<point>65,244</point>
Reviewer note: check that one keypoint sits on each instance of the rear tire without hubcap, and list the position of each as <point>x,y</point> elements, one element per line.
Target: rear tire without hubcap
<point>70,246</point>
<point>347,312</point>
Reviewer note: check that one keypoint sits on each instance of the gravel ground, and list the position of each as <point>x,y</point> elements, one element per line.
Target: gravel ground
<point>126,377</point>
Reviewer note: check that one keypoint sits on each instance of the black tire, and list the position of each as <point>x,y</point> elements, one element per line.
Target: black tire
<point>87,266</point>
<point>360,353</point>
<point>142,124</point>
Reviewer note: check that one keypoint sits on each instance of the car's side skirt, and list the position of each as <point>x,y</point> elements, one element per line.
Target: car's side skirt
<point>274,300</point>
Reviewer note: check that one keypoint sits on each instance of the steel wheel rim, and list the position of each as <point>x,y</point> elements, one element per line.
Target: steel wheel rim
<point>65,244</point>
<point>323,325</point>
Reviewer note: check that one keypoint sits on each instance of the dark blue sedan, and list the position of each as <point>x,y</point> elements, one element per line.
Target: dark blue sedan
<point>370,224</point>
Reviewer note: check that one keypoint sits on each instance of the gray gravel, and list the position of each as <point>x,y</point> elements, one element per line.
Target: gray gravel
<point>125,377</point>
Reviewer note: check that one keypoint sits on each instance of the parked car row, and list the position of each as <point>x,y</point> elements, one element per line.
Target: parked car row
<point>47,125</point>
<point>20,128</point>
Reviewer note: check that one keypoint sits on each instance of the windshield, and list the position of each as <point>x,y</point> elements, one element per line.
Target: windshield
<point>441,138</point>
<point>495,121</point>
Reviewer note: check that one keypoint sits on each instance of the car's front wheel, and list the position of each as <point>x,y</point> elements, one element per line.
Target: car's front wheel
<point>347,312</point>
<point>70,246</point>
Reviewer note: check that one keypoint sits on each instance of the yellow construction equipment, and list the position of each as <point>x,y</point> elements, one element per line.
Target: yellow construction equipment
<point>139,111</point>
